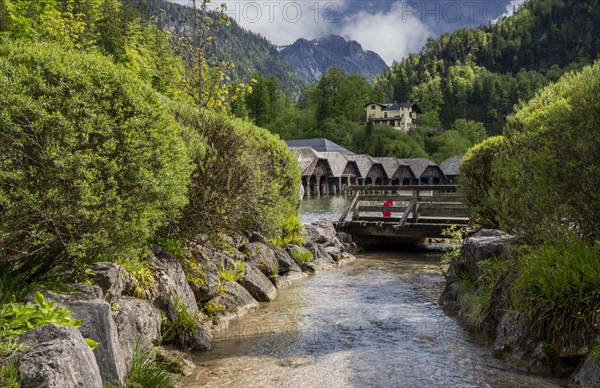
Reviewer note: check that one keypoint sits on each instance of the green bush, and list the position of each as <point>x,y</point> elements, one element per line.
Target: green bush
<point>246,178</point>
<point>90,160</point>
<point>477,178</point>
<point>558,290</point>
<point>10,377</point>
<point>302,257</point>
<point>290,232</point>
<point>549,174</point>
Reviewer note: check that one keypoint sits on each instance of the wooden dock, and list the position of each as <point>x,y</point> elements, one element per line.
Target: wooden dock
<point>410,215</point>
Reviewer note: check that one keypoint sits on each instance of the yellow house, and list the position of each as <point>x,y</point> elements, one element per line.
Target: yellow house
<point>402,116</point>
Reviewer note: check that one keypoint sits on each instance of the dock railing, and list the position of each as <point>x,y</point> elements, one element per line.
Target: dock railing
<point>424,204</point>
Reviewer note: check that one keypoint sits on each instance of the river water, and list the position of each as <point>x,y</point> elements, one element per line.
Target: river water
<point>372,323</point>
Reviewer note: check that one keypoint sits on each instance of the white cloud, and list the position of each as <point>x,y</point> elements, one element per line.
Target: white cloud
<point>393,34</point>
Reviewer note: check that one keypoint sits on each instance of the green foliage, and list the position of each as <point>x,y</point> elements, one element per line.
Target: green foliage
<point>476,180</point>
<point>290,232</point>
<point>558,290</point>
<point>302,257</point>
<point>10,377</point>
<point>17,318</point>
<point>246,178</point>
<point>91,161</point>
<point>232,274</point>
<point>545,180</point>
<point>184,327</point>
<point>141,272</point>
<point>146,372</point>
<point>10,346</point>
<point>456,236</point>
<point>213,310</point>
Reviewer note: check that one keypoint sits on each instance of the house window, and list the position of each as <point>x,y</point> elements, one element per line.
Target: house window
<point>372,107</point>
<point>385,114</point>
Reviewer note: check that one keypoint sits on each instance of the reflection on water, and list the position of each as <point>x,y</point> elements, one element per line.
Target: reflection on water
<point>373,323</point>
<point>316,208</point>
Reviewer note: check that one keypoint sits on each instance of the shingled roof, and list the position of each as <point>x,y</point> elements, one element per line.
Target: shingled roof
<point>390,165</point>
<point>308,159</point>
<point>450,166</point>
<point>364,163</point>
<point>418,165</point>
<point>337,162</point>
<point>320,145</point>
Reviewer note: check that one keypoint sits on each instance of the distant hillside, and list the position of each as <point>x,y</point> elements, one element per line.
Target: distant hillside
<point>251,52</point>
<point>311,59</point>
<point>480,74</point>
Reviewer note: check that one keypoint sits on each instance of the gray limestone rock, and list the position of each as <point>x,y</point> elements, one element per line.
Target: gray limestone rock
<point>258,285</point>
<point>57,356</point>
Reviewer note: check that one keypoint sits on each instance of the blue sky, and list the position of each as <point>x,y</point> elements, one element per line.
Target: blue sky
<point>391,28</point>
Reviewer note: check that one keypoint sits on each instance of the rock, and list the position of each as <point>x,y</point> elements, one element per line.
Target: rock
<point>88,291</point>
<point>515,344</point>
<point>138,324</point>
<point>588,374</point>
<point>258,238</point>
<point>99,325</point>
<point>321,231</point>
<point>176,362</point>
<point>319,253</point>
<point>113,280</point>
<point>346,258</point>
<point>172,284</point>
<point>345,238</point>
<point>449,298</point>
<point>202,338</point>
<point>485,244</point>
<point>336,243</point>
<point>282,281</point>
<point>285,261</point>
<point>334,252</point>
<point>235,299</point>
<point>58,356</point>
<point>258,285</point>
<point>353,248</point>
<point>262,257</point>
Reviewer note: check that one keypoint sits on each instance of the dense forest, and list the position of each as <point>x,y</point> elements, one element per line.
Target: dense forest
<point>468,77</point>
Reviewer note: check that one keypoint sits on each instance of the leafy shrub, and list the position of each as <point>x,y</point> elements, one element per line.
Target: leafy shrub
<point>476,180</point>
<point>17,318</point>
<point>213,310</point>
<point>302,257</point>
<point>184,327</point>
<point>290,232</point>
<point>558,290</point>
<point>246,178</point>
<point>90,160</point>
<point>141,272</point>
<point>549,175</point>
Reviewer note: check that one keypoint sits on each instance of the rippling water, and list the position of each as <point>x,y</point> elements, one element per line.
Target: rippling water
<point>374,322</point>
<point>315,208</point>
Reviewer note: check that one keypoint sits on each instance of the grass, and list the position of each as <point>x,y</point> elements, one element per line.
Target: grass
<point>10,377</point>
<point>291,232</point>
<point>232,274</point>
<point>146,372</point>
<point>184,327</point>
<point>10,346</point>
<point>141,272</point>
<point>213,310</point>
<point>302,257</point>
<point>558,290</point>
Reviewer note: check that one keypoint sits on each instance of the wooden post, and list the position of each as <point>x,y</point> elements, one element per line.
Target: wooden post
<point>416,211</point>
<point>318,186</point>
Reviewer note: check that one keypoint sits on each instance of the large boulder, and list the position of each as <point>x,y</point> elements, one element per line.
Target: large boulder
<point>321,231</point>
<point>57,356</point>
<point>172,284</point>
<point>285,261</point>
<point>483,245</point>
<point>588,374</point>
<point>138,324</point>
<point>113,280</point>
<point>262,257</point>
<point>322,259</point>
<point>258,285</point>
<point>99,325</point>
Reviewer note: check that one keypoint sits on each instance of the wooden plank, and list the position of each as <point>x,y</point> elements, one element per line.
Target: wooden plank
<point>385,197</point>
<point>350,206</point>
<point>441,205</point>
<point>381,209</point>
<point>412,204</point>
<point>364,219</point>
<point>442,212</point>
<point>451,188</point>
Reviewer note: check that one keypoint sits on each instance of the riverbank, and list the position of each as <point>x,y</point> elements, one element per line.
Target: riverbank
<point>479,292</point>
<point>188,296</point>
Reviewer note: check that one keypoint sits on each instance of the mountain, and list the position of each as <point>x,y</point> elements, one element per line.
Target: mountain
<point>311,59</point>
